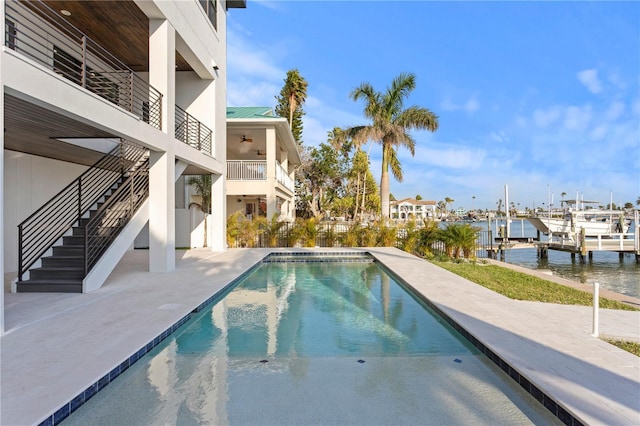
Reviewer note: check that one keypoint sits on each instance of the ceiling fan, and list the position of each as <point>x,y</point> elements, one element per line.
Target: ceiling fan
<point>245,139</point>
<point>261,153</point>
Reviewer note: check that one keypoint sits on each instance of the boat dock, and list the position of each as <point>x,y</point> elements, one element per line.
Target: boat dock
<point>576,243</point>
<point>584,248</point>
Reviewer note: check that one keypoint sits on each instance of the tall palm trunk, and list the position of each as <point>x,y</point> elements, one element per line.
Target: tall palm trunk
<point>355,212</point>
<point>364,193</point>
<point>384,193</point>
<point>384,182</point>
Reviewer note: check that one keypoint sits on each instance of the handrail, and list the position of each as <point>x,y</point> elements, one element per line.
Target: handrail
<point>246,170</point>
<point>283,177</point>
<point>108,221</point>
<point>38,232</point>
<point>192,132</point>
<point>40,33</point>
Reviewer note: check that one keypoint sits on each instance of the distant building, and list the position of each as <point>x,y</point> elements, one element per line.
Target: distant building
<point>262,156</point>
<point>410,208</point>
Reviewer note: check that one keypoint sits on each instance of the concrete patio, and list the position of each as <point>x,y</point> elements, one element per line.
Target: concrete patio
<point>58,344</point>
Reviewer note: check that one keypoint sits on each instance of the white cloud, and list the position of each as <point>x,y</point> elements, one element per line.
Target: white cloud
<point>453,158</point>
<point>545,117</point>
<point>499,136</point>
<point>598,133</point>
<point>590,80</point>
<point>246,61</point>
<point>471,105</point>
<point>615,111</point>
<point>576,118</point>
<point>448,105</point>
<point>243,92</point>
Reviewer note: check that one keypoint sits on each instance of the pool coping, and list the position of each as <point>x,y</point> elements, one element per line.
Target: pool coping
<point>385,256</point>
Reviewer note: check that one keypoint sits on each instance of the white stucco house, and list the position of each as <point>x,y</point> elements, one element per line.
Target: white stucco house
<point>262,156</point>
<point>106,104</point>
<point>410,208</point>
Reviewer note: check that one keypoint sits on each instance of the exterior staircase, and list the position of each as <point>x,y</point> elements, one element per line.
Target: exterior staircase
<point>61,266</point>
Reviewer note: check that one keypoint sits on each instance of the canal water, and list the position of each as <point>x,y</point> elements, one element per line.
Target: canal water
<point>605,268</point>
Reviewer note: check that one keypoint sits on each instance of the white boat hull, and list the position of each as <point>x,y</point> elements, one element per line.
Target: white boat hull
<point>591,228</point>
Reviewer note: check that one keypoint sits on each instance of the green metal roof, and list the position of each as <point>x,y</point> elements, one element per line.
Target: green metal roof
<point>250,112</point>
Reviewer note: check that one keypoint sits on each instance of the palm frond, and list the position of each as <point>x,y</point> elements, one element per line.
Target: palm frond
<point>394,165</point>
<point>416,117</point>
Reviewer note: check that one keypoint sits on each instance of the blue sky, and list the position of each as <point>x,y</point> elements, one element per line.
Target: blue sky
<point>541,96</point>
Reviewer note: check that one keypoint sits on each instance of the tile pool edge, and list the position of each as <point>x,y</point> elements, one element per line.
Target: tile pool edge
<point>548,402</point>
<point>74,403</point>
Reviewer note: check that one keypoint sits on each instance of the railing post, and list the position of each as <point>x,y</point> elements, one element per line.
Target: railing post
<point>133,178</point>
<point>160,112</point>
<point>20,271</point>
<point>83,70</point>
<point>79,198</point>
<point>131,91</point>
<point>86,249</point>
<point>199,138</point>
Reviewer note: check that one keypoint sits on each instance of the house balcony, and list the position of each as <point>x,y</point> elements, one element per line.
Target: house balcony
<point>192,132</point>
<point>37,31</point>
<point>256,170</point>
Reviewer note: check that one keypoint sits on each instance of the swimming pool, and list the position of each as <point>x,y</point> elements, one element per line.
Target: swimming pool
<point>314,342</point>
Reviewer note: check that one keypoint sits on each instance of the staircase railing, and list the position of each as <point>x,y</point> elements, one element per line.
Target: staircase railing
<point>109,220</point>
<point>38,232</point>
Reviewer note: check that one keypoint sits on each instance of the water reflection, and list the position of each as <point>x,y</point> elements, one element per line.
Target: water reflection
<point>288,337</point>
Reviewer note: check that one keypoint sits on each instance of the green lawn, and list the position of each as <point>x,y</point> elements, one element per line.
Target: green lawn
<point>521,286</point>
<point>632,347</point>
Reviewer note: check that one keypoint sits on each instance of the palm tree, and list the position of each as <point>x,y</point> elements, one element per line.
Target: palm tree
<point>448,201</point>
<point>202,186</point>
<point>390,126</point>
<point>294,91</point>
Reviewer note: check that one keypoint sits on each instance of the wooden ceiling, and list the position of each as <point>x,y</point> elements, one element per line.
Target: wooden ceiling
<point>118,26</point>
<point>31,129</point>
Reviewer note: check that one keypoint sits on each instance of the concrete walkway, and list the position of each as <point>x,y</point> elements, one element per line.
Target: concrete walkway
<point>58,344</point>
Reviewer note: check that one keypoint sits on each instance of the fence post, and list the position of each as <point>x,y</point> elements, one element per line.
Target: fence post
<point>596,306</point>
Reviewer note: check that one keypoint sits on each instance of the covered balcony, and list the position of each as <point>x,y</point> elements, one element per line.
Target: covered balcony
<point>69,38</point>
<point>261,160</point>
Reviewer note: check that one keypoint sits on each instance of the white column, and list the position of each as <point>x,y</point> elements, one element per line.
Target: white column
<point>162,68</point>
<point>162,48</point>
<point>162,221</point>
<point>271,173</point>
<point>2,188</point>
<point>218,237</point>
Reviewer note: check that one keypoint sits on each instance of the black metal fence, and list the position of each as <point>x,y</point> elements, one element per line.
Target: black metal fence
<point>289,234</point>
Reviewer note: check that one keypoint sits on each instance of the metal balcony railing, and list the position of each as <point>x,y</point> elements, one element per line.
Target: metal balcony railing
<point>35,30</point>
<point>246,170</point>
<point>192,132</point>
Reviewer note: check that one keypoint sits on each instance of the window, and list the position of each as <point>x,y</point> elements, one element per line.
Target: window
<point>210,8</point>
<point>11,34</point>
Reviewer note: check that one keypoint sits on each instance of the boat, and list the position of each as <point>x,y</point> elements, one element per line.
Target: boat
<point>574,219</point>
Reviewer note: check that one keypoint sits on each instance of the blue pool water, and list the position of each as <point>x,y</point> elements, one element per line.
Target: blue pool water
<point>314,343</point>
